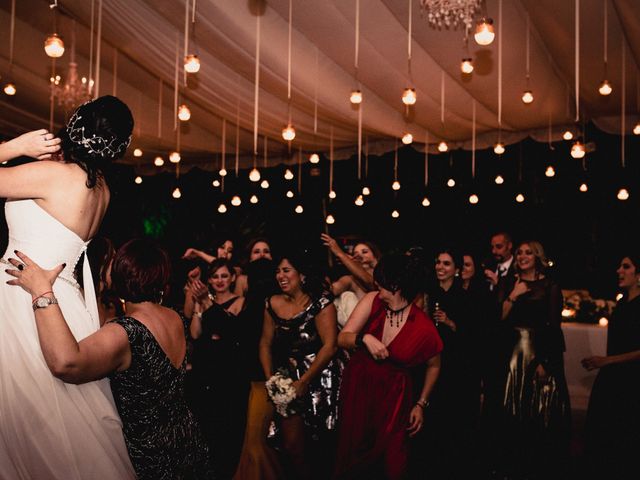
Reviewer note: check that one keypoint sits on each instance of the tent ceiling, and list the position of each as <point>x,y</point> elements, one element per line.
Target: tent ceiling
<point>147,34</point>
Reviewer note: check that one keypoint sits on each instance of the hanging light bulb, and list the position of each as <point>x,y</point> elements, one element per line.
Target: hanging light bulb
<point>520,198</point>
<point>623,194</point>
<point>222,208</point>
<point>216,183</point>
<point>451,183</point>
<point>605,88</point>
<point>484,32</point>
<point>299,209</point>
<point>395,214</point>
<point>191,63</point>
<point>636,129</point>
<point>366,191</point>
<point>176,193</point>
<point>288,132</point>
<point>498,148</point>
<point>253,199</point>
<point>332,194</point>
<point>223,172</point>
<point>395,185</point>
<point>473,199</point>
<point>264,184</point>
<point>356,97</point>
<point>443,147</point>
<point>158,161</point>
<point>466,66</point>
<point>54,46</point>
<point>174,157</point>
<point>409,96</point>
<point>330,220</point>
<point>550,172</point>
<point>289,194</point>
<point>583,187</point>
<point>184,114</point>
<point>577,150</point>
<point>425,202</point>
<point>314,158</point>
<point>527,97</point>
<point>288,174</point>
<point>10,89</point>
<point>567,135</point>
<point>254,175</point>
<point>499,180</point>
<point>359,201</point>
<point>407,139</point>
<point>236,201</point>
<point>137,152</point>
<point>138,180</point>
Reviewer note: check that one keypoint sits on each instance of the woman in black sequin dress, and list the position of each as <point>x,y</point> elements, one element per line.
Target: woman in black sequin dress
<point>299,336</point>
<point>144,354</point>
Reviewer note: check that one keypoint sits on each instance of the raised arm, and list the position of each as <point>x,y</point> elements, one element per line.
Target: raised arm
<point>38,144</point>
<point>360,274</point>
<point>32,180</point>
<point>92,358</point>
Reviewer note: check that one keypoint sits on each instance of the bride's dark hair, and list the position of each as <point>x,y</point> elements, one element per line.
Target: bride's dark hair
<point>97,133</point>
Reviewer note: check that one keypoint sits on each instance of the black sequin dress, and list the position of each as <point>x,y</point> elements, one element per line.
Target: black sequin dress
<point>162,435</point>
<point>295,345</point>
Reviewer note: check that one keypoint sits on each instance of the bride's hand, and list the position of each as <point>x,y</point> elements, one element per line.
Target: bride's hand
<point>38,144</point>
<point>30,276</point>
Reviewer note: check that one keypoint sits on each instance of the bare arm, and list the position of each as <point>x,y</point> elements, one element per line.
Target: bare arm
<point>32,180</point>
<point>591,363</point>
<point>416,417</point>
<point>327,326</point>
<point>364,278</point>
<point>92,358</point>
<point>38,144</point>
<point>268,329</point>
<point>192,253</point>
<point>357,320</point>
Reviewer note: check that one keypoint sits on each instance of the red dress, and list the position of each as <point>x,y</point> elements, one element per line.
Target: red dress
<point>376,397</point>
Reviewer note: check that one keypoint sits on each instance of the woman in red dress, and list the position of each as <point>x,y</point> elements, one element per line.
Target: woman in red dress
<point>378,413</point>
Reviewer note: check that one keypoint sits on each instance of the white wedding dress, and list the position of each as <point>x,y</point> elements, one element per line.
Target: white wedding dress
<point>50,429</point>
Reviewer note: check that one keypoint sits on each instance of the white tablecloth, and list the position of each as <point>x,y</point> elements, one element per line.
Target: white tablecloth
<point>583,340</point>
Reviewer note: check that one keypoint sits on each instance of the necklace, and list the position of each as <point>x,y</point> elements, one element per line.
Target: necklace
<point>396,315</point>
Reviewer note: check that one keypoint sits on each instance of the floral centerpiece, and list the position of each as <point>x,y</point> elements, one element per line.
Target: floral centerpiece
<point>580,307</point>
<point>282,393</point>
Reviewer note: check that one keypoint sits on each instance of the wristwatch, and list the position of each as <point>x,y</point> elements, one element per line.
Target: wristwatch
<point>43,302</point>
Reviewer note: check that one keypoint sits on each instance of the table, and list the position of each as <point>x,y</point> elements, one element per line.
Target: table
<point>582,340</point>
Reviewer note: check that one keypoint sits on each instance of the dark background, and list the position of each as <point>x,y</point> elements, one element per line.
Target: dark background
<point>583,233</point>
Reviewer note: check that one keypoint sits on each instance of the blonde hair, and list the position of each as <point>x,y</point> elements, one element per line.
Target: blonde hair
<point>536,247</point>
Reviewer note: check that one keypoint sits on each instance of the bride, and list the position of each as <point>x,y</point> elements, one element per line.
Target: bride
<point>50,429</point>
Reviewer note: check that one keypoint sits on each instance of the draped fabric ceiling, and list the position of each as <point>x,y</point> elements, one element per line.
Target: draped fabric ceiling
<point>140,39</point>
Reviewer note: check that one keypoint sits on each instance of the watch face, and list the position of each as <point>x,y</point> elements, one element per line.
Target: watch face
<point>43,302</point>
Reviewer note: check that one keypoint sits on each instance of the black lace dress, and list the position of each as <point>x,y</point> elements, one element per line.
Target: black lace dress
<point>295,345</point>
<point>162,435</point>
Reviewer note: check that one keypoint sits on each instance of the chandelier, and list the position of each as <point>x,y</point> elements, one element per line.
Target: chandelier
<point>73,91</point>
<point>451,13</point>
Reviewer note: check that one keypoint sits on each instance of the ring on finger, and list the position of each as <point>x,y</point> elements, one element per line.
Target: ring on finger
<point>20,266</point>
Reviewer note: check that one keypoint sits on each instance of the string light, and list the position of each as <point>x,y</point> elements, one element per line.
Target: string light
<point>288,133</point>
<point>473,199</point>
<point>451,183</point>
<point>499,180</point>
<point>174,157</point>
<point>527,97</point>
<point>216,183</point>
<point>395,185</point>
<point>289,194</point>
<point>10,89</point>
<point>577,150</point>
<point>264,184</point>
<point>636,129</point>
<point>176,193</point>
<point>253,199</point>
<point>137,152</point>
<point>425,202</point>
<point>359,201</point>
<point>550,172</point>
<point>407,139</point>
<point>54,46</point>
<point>314,158</point>
<point>409,96</point>
<point>605,88</point>
<point>484,32</point>
<point>498,148</point>
<point>567,135</point>
<point>222,208</point>
<point>254,175</point>
<point>366,191</point>
<point>623,194</point>
<point>395,214</point>
<point>443,147</point>
<point>288,174</point>
<point>184,114</point>
<point>236,201</point>
<point>191,63</point>
<point>332,194</point>
<point>520,198</point>
<point>356,97</point>
<point>138,180</point>
<point>330,219</point>
<point>466,66</point>
<point>158,161</point>
<point>299,209</point>
<point>583,187</point>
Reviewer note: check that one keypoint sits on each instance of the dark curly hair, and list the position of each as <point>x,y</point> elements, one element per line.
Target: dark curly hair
<point>400,273</point>
<point>315,284</point>
<point>106,119</point>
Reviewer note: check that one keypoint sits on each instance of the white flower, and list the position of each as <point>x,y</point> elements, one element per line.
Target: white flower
<point>281,392</point>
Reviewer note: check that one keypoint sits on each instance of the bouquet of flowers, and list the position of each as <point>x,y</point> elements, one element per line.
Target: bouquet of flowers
<point>281,392</point>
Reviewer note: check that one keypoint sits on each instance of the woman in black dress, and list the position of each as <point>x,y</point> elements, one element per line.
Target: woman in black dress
<point>613,418</point>
<point>143,353</point>
<point>536,398</point>
<point>218,390</point>
<point>299,337</point>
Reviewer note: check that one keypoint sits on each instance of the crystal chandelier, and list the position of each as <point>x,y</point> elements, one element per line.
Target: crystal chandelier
<point>451,13</point>
<point>73,91</point>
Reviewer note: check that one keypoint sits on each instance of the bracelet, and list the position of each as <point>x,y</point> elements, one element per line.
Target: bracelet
<point>42,295</point>
<point>359,340</point>
<point>510,300</point>
<point>197,314</point>
<point>422,404</point>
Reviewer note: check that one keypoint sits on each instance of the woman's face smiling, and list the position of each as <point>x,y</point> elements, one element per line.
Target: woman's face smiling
<point>260,250</point>
<point>288,278</point>
<point>445,267</point>
<point>363,254</point>
<point>221,280</point>
<point>525,258</point>
<point>226,250</point>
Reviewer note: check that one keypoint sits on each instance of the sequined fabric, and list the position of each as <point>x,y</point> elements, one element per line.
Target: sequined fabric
<point>295,345</point>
